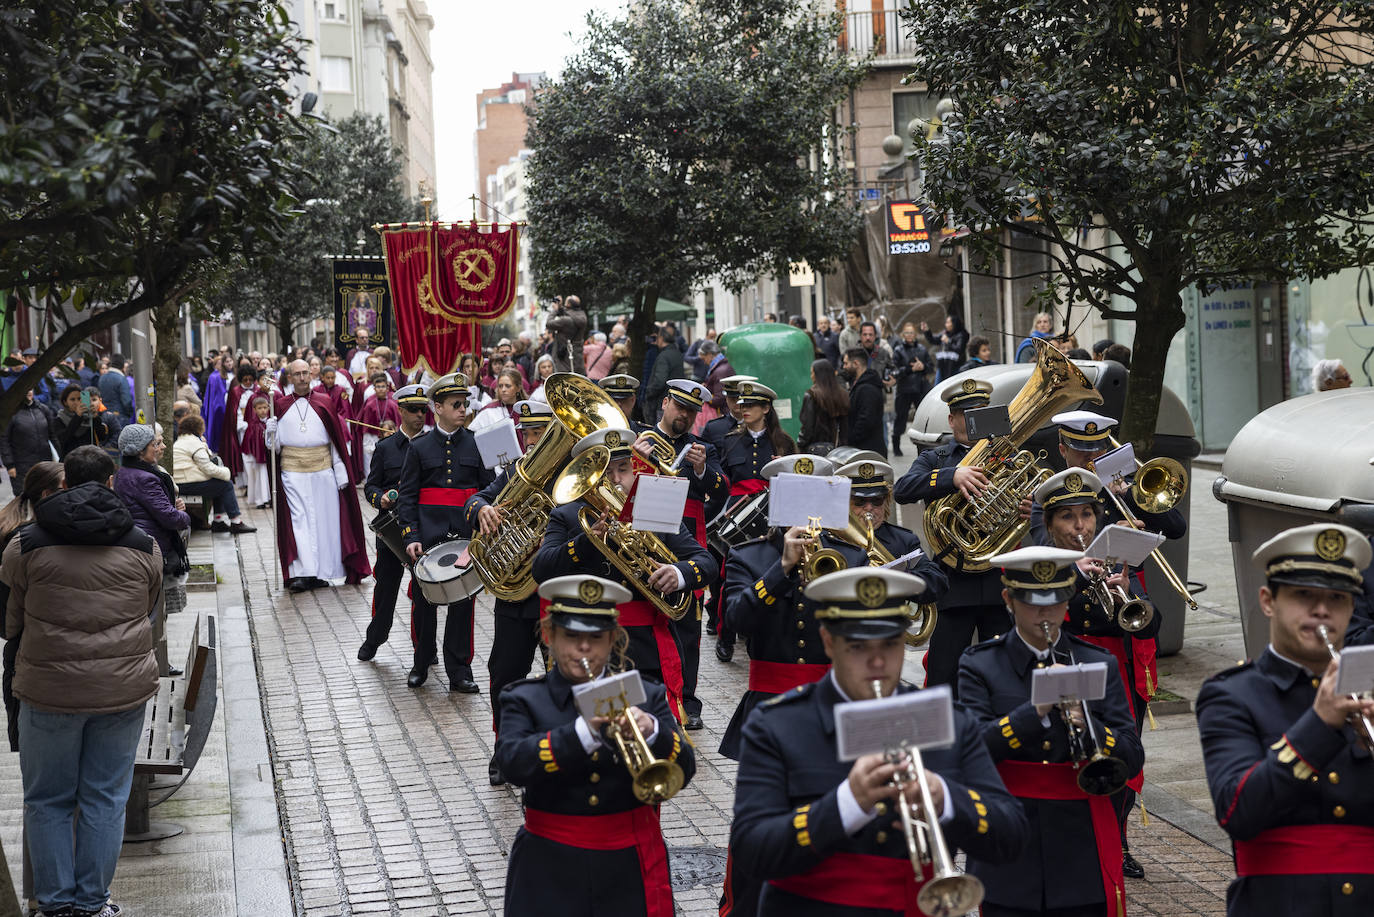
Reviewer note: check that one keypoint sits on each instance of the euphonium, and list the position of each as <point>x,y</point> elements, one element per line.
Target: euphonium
<point>1098,774</point>
<point>861,534</point>
<point>948,892</point>
<point>1364,729</point>
<point>964,534</point>
<point>635,554</point>
<point>652,779</point>
<point>817,561</point>
<point>503,561</point>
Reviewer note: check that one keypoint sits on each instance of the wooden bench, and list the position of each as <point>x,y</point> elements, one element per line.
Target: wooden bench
<point>175,728</point>
<point>198,507</point>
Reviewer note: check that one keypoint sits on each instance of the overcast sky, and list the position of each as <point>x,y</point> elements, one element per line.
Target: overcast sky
<point>478,45</point>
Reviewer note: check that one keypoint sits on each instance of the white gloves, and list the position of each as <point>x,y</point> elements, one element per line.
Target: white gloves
<point>340,475</point>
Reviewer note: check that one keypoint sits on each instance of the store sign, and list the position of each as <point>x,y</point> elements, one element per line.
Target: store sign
<point>908,228</point>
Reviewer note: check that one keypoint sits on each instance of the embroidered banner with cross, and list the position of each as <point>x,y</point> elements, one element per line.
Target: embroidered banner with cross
<point>447,279</point>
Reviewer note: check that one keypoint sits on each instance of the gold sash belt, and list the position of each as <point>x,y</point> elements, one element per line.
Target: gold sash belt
<point>305,459</point>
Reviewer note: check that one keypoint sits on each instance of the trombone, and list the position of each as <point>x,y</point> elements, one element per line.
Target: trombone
<point>1159,484</point>
<point>1131,612</point>
<point>1364,729</point>
<point>949,892</point>
<point>652,779</point>
<point>1098,774</point>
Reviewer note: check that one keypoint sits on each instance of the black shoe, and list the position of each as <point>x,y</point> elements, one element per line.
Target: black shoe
<point>464,686</point>
<point>317,583</point>
<point>725,651</point>
<point>711,629</point>
<point>173,672</point>
<point>693,722</point>
<point>434,660</point>
<point>219,525</point>
<point>417,677</point>
<point>367,651</point>
<point>1129,867</point>
<point>494,772</point>
<point>241,528</point>
<point>896,449</point>
<point>298,584</point>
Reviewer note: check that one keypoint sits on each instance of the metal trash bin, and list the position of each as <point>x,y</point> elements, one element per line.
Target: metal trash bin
<point>1301,461</point>
<point>1174,438</point>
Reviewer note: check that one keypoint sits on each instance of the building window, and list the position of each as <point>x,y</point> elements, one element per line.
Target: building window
<point>905,107</point>
<point>336,74</point>
<point>338,12</point>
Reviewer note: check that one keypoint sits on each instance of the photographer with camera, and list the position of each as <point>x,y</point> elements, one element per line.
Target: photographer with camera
<point>568,324</point>
<point>866,428</point>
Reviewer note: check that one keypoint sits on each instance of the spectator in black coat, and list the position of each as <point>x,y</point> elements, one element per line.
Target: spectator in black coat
<point>949,346</point>
<point>865,403</point>
<point>827,341</point>
<point>979,353</point>
<point>72,425</point>
<point>824,411</point>
<point>910,363</point>
<point>27,440</point>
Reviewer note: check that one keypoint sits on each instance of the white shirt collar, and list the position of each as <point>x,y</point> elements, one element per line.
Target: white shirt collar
<point>1042,655</point>
<point>1296,665</point>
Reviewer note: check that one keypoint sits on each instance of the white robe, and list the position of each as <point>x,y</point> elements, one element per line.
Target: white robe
<point>311,497</point>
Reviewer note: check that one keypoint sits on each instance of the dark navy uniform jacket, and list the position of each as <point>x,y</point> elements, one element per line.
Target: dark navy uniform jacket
<point>566,550</point>
<point>900,541</point>
<point>385,471</point>
<point>487,496</point>
<point>712,487</point>
<point>1271,763</point>
<point>931,477</point>
<point>436,459</point>
<point>1059,867</point>
<point>787,814</point>
<point>714,431</point>
<point>742,455</point>
<point>766,607</point>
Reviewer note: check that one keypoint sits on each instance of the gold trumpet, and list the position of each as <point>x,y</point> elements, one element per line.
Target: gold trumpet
<point>1098,773</point>
<point>817,561</point>
<point>948,892</point>
<point>1131,612</point>
<point>635,554</point>
<point>1364,729</point>
<point>1159,484</point>
<point>652,779</point>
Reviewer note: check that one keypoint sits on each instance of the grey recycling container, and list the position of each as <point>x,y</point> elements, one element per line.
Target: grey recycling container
<point>1174,438</point>
<point>1308,459</point>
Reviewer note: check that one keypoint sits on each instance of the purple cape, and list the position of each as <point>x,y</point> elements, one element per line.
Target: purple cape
<point>212,408</point>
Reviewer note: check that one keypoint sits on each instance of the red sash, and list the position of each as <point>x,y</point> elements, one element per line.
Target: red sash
<point>859,880</point>
<point>637,828</point>
<point>748,486</point>
<point>1117,647</point>
<point>1060,781</point>
<point>446,496</point>
<point>781,677</point>
<point>642,613</point>
<point>1307,850</point>
<point>695,510</point>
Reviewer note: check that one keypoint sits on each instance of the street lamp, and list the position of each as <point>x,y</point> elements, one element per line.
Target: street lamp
<point>360,241</point>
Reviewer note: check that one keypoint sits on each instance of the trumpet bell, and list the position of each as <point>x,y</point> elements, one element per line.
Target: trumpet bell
<point>950,896</point>
<point>1159,485</point>
<point>581,475</point>
<point>1135,615</point>
<point>658,781</point>
<point>822,562</point>
<point>1102,776</point>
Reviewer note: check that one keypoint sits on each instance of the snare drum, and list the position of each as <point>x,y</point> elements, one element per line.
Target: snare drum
<point>387,527</point>
<point>446,574</point>
<point>748,519</point>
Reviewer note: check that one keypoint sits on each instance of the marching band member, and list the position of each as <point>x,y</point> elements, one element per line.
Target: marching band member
<point>707,489</point>
<point>623,390</point>
<point>567,550</point>
<point>750,445</point>
<point>319,523</point>
<point>1071,866</point>
<point>442,470</point>
<point>820,832</point>
<point>515,634</point>
<point>870,494</point>
<point>972,601</point>
<point>383,479</point>
<point>1290,777</point>
<point>588,845</point>
<point>714,431</point>
<point>1072,511</point>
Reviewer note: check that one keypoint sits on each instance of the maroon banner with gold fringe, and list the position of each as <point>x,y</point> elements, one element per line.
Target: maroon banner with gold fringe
<point>447,279</point>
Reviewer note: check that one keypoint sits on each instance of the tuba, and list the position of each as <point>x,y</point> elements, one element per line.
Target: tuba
<point>635,554</point>
<point>502,561</point>
<point>966,534</point>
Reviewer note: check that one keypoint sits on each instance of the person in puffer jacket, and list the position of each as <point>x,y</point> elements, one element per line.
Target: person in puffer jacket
<point>80,584</point>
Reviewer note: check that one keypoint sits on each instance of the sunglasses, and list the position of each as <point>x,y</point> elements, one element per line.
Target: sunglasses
<point>868,501</point>
<point>412,410</point>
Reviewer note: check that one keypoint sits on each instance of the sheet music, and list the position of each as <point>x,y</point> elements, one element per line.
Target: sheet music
<point>1084,681</point>
<point>922,719</point>
<point>1356,674</point>
<point>795,499</point>
<point>603,696</point>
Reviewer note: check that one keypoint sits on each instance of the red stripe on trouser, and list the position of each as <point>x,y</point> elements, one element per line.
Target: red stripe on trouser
<point>1117,647</point>
<point>860,880</point>
<point>1060,781</point>
<point>644,614</point>
<point>637,828</point>
<point>1305,850</point>
<point>781,677</point>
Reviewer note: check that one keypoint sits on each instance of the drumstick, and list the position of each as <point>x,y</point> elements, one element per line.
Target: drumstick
<point>368,425</point>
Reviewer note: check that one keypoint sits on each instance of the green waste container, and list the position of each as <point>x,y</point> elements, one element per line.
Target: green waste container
<point>780,355</point>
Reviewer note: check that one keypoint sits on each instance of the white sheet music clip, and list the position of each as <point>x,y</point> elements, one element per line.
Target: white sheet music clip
<point>1123,544</point>
<point>1356,675</point>
<point>918,719</point>
<point>798,499</point>
<point>610,695</point>
<point>1084,681</point>
<point>498,443</point>
<point>1119,463</point>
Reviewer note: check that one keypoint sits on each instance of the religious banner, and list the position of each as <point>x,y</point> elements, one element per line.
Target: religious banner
<point>448,279</point>
<point>361,300</point>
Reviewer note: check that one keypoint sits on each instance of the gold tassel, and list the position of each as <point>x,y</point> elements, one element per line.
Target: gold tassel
<point>1144,814</point>
<point>1150,715</point>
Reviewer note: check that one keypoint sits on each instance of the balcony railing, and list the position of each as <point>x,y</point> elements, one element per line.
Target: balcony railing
<point>882,34</point>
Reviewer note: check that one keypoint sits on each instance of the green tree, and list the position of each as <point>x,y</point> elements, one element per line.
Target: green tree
<point>353,180</point>
<point>140,142</point>
<point>1155,147</point>
<point>689,140</point>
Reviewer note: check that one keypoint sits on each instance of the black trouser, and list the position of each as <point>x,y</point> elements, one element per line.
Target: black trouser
<point>1124,801</point>
<point>515,636</point>
<point>904,402</point>
<point>1085,910</point>
<point>688,633</point>
<point>717,608</point>
<point>546,877</point>
<point>954,633</point>
<point>387,573</point>
<point>221,492</point>
<point>457,635</point>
